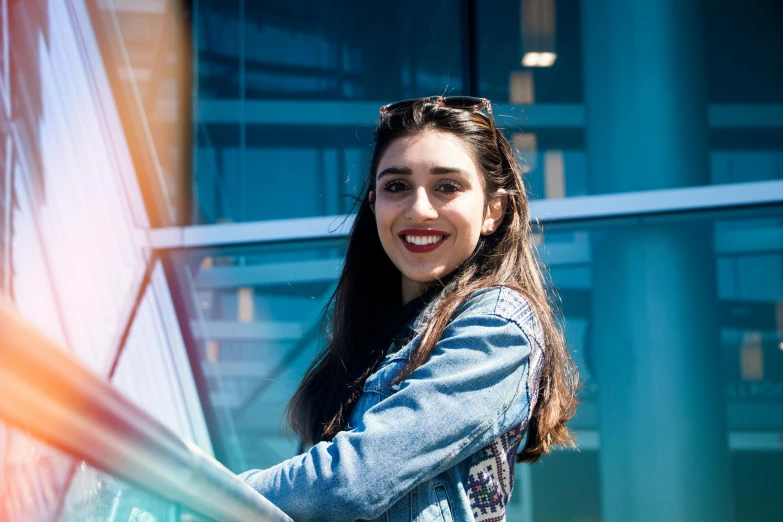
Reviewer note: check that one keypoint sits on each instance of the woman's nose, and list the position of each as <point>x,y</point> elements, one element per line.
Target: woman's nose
<point>420,207</point>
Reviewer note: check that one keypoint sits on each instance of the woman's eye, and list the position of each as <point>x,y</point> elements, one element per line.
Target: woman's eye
<point>394,186</point>
<point>449,187</point>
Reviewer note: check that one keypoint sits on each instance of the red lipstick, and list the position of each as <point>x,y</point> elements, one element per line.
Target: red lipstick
<point>417,233</point>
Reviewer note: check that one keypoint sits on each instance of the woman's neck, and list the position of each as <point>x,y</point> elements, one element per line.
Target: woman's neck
<point>413,289</point>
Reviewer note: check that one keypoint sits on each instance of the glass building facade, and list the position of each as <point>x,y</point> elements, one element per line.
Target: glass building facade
<point>179,177</point>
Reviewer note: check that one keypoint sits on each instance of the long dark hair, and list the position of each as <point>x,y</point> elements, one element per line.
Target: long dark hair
<point>369,289</point>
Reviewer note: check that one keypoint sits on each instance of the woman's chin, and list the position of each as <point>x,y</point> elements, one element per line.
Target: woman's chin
<point>425,278</point>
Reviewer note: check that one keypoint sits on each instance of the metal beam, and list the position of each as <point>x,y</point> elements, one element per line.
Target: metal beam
<point>326,227</point>
<point>292,273</point>
<point>547,115</point>
<point>651,203</point>
<point>766,441</point>
<point>260,331</point>
<point>318,113</point>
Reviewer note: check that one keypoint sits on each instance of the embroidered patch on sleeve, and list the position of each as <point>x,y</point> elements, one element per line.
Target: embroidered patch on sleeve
<point>491,476</point>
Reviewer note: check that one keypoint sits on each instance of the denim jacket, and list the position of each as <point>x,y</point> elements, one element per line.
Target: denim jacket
<point>440,445</point>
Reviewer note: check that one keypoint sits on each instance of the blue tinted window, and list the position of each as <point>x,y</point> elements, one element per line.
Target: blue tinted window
<point>288,95</point>
<point>510,29</point>
<point>743,42</point>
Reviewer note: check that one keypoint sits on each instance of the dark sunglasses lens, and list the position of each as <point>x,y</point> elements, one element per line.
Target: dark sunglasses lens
<point>462,102</point>
<point>399,104</point>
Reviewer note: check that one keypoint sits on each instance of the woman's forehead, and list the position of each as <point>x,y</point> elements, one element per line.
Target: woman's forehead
<point>426,150</point>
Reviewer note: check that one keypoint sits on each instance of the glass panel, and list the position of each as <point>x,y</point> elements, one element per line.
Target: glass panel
<point>97,497</point>
<point>551,151</point>
<point>555,162</point>
<point>637,296</point>
<point>756,479</point>
<point>753,50</point>
<point>581,488</point>
<point>509,29</point>
<point>697,296</point>
<point>32,291</point>
<point>513,38</point>
<point>283,94</point>
<point>6,212</point>
<point>159,380</point>
<point>5,66</point>
<point>254,315</point>
<point>548,116</point>
<point>747,293</point>
<point>33,477</point>
<point>38,482</point>
<point>76,254</point>
<point>326,51</point>
<point>746,154</point>
<point>286,96</point>
<point>145,49</point>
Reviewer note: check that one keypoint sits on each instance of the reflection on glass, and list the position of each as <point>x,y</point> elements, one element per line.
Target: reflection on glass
<point>38,483</point>
<point>6,211</point>
<point>330,53</point>
<point>754,48</point>
<point>265,118</point>
<point>671,318</point>
<point>255,316</point>
<point>746,155</point>
<point>747,293</point>
<point>554,162</point>
<point>286,101</point>
<point>145,48</point>
<point>566,475</point>
<point>33,477</point>
<point>541,38</point>
<point>97,497</point>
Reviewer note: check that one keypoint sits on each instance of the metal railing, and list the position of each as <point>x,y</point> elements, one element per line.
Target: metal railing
<point>55,399</point>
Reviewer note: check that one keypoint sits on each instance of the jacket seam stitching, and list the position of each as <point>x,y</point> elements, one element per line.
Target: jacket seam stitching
<point>507,403</point>
<point>448,500</point>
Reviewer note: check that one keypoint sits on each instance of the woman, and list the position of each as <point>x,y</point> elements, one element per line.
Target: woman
<point>444,357</point>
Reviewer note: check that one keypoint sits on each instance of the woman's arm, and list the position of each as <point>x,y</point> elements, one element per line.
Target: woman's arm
<point>471,390</point>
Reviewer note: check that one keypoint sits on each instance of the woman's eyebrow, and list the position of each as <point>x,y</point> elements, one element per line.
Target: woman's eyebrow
<point>433,170</point>
<point>395,170</point>
<point>447,170</point>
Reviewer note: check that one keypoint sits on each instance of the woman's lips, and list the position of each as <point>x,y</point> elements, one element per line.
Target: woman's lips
<point>422,235</point>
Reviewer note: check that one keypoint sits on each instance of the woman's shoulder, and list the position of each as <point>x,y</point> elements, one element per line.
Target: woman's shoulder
<point>505,302</point>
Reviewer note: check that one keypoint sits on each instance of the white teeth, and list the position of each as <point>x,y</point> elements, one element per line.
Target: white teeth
<point>423,240</point>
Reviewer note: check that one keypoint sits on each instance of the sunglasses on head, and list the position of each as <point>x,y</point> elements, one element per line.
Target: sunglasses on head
<point>470,103</point>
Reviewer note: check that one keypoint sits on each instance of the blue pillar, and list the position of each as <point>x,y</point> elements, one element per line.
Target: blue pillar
<point>663,441</point>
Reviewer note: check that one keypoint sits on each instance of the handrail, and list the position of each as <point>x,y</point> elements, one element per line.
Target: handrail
<point>53,397</point>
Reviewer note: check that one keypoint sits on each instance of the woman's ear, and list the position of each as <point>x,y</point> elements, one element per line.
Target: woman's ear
<point>371,199</point>
<point>493,217</point>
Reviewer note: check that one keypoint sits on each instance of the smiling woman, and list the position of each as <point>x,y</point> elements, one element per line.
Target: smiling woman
<point>444,357</point>
<point>431,201</point>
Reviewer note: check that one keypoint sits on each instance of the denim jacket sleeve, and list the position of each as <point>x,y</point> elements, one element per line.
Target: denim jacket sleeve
<point>471,390</point>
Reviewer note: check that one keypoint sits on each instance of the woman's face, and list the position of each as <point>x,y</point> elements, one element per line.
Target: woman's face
<point>430,207</point>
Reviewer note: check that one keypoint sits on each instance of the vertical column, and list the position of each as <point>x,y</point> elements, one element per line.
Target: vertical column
<point>664,452</point>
